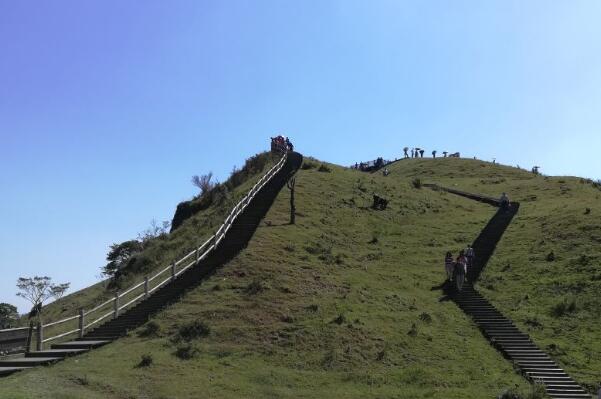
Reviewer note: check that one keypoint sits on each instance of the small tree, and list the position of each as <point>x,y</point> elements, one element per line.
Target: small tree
<point>119,255</point>
<point>203,182</point>
<point>8,315</point>
<point>155,230</point>
<point>37,290</point>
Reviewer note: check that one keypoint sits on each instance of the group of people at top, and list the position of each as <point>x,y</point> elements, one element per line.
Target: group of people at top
<point>281,144</point>
<point>419,153</point>
<point>462,264</point>
<point>367,166</point>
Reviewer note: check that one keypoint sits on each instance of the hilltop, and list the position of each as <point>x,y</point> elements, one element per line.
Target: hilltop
<point>345,303</point>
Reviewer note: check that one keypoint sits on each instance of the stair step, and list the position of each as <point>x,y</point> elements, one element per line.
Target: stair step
<point>56,352</point>
<point>28,361</point>
<point>80,344</point>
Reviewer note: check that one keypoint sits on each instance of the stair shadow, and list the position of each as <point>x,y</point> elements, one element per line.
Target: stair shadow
<point>488,239</point>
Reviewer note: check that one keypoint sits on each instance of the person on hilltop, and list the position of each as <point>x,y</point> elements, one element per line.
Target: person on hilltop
<point>289,145</point>
<point>444,154</point>
<point>412,153</point>
<point>449,265</point>
<point>405,152</point>
<point>434,154</point>
<point>421,153</point>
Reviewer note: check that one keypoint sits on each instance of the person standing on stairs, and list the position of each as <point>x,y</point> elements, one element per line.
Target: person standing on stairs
<point>470,255</point>
<point>449,265</point>
<point>462,262</point>
<point>504,200</point>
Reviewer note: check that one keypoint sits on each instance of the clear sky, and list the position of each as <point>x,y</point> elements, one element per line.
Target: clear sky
<point>107,108</point>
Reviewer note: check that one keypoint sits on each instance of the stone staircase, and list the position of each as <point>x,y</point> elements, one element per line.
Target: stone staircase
<point>515,345</point>
<point>235,240</point>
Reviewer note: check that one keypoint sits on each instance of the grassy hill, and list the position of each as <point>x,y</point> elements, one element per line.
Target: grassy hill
<point>345,303</point>
<point>546,273</point>
<point>193,222</point>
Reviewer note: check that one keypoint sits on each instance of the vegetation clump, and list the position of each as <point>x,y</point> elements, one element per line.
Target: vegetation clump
<point>308,165</point>
<point>145,361</point>
<point>192,330</point>
<point>416,183</point>
<point>254,287</point>
<point>425,317</point>
<point>8,316</point>
<point>563,308</point>
<point>214,192</point>
<point>324,168</point>
<point>150,329</point>
<point>186,352</point>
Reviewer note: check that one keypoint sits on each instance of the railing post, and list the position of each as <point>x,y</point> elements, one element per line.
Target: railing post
<point>40,336</point>
<point>29,337</point>
<point>81,322</point>
<point>145,286</point>
<point>116,304</point>
<point>173,271</point>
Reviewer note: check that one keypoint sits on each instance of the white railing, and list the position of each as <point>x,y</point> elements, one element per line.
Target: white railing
<point>122,300</point>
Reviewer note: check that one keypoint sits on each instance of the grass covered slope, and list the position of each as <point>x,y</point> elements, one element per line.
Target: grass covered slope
<point>193,229</point>
<point>343,304</point>
<point>546,272</point>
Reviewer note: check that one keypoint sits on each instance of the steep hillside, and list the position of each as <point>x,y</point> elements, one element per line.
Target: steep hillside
<point>202,216</point>
<point>346,303</point>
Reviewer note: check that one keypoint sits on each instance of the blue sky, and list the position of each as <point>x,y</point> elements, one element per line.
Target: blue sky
<point>108,108</point>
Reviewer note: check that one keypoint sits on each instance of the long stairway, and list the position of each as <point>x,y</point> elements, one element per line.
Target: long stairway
<point>515,345</point>
<point>235,240</point>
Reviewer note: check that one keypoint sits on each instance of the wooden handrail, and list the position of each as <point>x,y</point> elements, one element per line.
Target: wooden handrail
<point>214,240</point>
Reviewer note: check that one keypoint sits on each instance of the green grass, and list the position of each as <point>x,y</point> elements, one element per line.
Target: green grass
<point>344,303</point>
<point>555,298</point>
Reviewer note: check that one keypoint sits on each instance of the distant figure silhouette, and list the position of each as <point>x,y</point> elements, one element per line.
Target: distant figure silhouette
<point>470,255</point>
<point>434,154</point>
<point>412,153</point>
<point>405,151</point>
<point>421,153</point>
<point>504,200</point>
<point>449,265</point>
<point>444,154</point>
